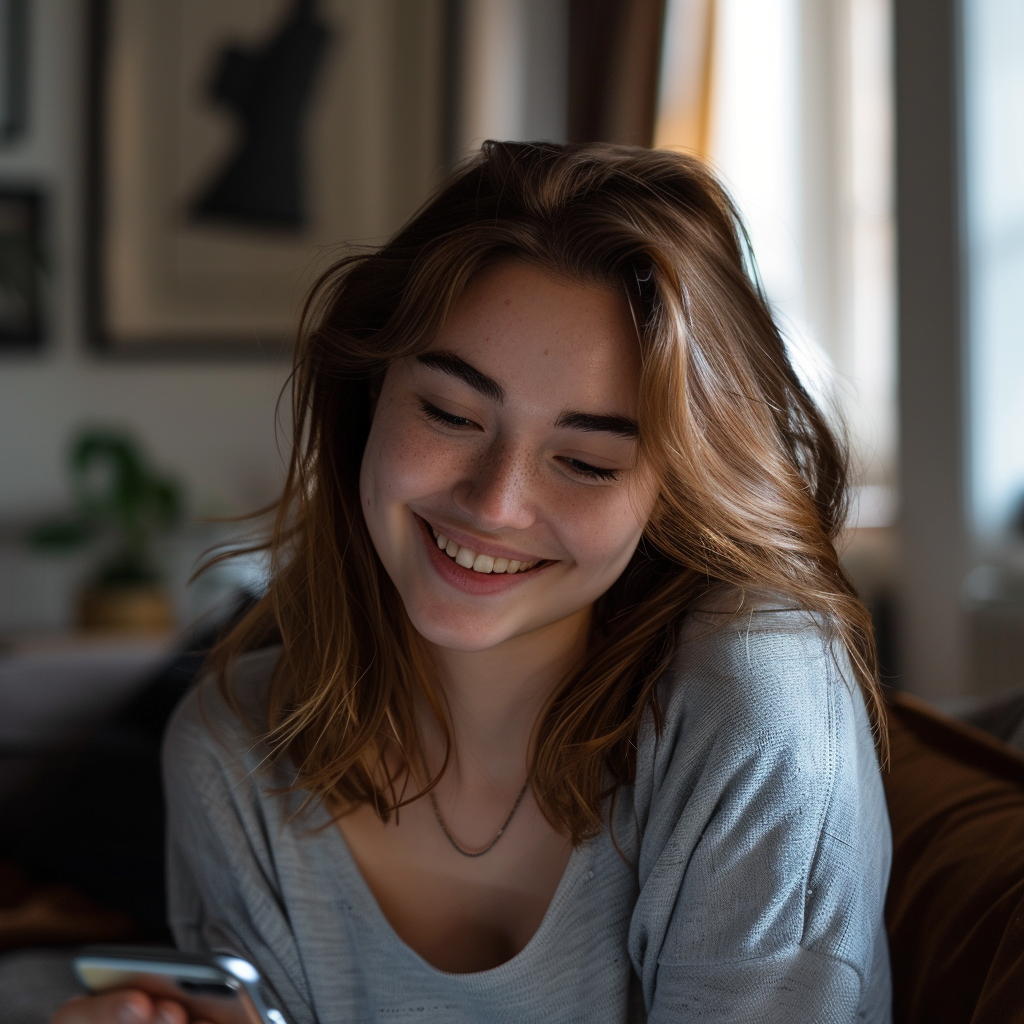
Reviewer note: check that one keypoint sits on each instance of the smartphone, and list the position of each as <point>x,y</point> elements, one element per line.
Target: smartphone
<point>213,987</point>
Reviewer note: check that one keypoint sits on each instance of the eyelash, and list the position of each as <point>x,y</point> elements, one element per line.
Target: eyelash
<point>440,416</point>
<point>579,467</point>
<point>594,472</point>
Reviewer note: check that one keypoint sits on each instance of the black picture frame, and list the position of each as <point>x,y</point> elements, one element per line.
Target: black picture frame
<point>175,268</point>
<point>14,51</point>
<point>22,268</point>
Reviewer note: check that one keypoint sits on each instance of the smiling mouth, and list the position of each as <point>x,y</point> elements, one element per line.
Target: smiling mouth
<point>477,562</point>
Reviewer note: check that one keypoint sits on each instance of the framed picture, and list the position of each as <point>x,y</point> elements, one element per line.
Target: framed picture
<point>238,147</point>
<point>21,268</point>
<point>14,45</point>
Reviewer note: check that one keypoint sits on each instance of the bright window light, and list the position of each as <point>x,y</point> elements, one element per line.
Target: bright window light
<point>797,104</point>
<point>994,106</point>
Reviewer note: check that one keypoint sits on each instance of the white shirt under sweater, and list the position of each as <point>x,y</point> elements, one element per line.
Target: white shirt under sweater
<point>756,827</point>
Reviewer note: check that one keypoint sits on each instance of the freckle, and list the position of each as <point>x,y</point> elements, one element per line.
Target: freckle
<point>546,351</point>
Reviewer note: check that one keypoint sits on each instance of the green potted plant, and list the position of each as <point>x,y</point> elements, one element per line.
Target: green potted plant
<point>121,507</point>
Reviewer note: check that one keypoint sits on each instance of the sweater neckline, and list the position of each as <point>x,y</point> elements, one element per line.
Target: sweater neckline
<point>578,869</point>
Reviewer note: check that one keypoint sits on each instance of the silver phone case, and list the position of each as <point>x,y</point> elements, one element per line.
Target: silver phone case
<point>214,987</point>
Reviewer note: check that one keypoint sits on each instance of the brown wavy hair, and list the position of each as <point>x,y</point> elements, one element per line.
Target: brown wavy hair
<point>752,480</point>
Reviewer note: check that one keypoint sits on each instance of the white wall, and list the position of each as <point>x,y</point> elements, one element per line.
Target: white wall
<point>513,82</point>
<point>212,424</point>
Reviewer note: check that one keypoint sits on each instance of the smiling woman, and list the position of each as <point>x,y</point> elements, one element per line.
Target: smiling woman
<point>559,705</point>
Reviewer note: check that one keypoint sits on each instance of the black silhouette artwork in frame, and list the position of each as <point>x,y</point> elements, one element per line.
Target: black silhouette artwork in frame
<point>243,154</point>
<point>268,88</point>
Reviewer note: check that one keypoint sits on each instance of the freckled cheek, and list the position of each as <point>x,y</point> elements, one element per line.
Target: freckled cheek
<point>600,534</point>
<point>405,462</point>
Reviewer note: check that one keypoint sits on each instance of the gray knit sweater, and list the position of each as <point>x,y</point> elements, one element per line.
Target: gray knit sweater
<point>756,835</point>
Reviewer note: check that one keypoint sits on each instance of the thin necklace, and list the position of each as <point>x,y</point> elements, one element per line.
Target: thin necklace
<point>501,831</point>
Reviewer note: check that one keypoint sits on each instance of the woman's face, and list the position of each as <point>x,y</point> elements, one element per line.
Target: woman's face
<point>511,440</point>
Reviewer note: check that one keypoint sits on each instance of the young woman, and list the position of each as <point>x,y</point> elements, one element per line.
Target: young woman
<point>559,706</point>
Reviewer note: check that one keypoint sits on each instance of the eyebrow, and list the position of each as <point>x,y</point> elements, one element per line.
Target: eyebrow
<point>448,362</point>
<point>455,366</point>
<point>620,425</point>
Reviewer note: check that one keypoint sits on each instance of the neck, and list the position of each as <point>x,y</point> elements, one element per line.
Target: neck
<point>494,697</point>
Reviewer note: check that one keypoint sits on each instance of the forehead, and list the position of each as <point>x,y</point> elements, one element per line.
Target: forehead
<point>548,336</point>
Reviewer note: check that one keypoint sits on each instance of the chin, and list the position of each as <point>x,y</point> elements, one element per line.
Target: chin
<point>457,632</point>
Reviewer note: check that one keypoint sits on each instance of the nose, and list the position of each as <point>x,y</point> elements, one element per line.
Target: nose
<point>495,492</point>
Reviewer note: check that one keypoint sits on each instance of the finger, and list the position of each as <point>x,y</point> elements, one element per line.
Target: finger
<point>168,1012</point>
<point>123,1007</point>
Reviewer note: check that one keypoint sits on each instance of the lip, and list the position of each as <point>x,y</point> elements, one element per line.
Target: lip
<point>466,580</point>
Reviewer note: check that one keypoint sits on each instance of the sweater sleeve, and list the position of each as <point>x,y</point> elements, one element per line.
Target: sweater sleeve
<point>765,848</point>
<point>223,890</point>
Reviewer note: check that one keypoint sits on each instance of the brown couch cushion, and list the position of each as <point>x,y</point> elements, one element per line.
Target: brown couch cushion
<point>32,914</point>
<point>955,910</point>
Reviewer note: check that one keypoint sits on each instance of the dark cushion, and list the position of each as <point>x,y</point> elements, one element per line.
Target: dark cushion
<point>955,910</point>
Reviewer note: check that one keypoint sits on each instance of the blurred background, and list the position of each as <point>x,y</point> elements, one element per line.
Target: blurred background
<point>173,173</point>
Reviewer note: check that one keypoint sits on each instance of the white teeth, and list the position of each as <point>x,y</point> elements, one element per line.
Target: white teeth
<point>480,563</point>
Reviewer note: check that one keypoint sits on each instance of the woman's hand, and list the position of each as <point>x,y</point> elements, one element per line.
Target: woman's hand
<point>124,1007</point>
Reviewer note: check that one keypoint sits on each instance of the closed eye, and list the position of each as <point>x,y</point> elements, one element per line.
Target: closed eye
<point>578,466</point>
<point>585,469</point>
<point>440,416</point>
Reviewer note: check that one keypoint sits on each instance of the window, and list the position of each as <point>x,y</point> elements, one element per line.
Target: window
<point>994,144</point>
<point>790,100</point>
